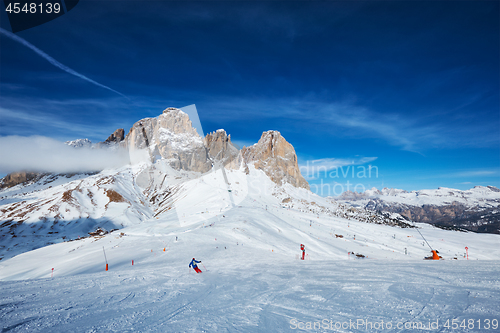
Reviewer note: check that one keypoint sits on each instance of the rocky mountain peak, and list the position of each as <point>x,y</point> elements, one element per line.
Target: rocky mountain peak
<point>15,178</point>
<point>220,148</point>
<point>177,122</point>
<point>493,188</point>
<point>276,157</point>
<point>79,143</point>
<point>116,137</point>
<point>171,136</point>
<point>218,142</point>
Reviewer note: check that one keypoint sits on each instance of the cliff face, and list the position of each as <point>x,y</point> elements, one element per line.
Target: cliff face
<point>15,178</point>
<point>117,136</point>
<point>170,136</point>
<point>220,148</point>
<point>141,134</point>
<point>277,158</point>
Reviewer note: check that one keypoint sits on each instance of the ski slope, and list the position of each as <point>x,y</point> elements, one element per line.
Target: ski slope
<point>249,240</point>
<point>262,295</point>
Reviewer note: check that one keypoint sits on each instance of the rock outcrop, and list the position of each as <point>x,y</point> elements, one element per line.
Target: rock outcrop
<point>277,158</point>
<point>170,136</point>
<point>141,134</point>
<point>113,141</point>
<point>220,148</point>
<point>117,136</point>
<point>15,178</point>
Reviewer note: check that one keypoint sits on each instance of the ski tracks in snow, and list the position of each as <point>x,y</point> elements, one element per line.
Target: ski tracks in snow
<point>251,297</point>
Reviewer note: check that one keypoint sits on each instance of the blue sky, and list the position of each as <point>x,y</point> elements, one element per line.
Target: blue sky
<point>409,87</point>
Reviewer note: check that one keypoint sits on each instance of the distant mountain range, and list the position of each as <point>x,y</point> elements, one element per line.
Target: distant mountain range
<point>477,209</point>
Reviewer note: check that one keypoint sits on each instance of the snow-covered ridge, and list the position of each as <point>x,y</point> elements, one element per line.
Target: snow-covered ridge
<point>476,209</point>
<point>79,143</point>
<point>186,191</point>
<point>59,208</point>
<point>485,196</point>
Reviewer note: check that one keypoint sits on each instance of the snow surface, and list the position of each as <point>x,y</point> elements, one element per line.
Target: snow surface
<point>265,295</point>
<point>249,241</point>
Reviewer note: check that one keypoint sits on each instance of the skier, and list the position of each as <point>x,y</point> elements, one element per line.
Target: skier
<point>195,267</point>
<point>303,248</point>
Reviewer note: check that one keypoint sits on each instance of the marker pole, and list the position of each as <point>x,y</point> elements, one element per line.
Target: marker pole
<point>106,259</point>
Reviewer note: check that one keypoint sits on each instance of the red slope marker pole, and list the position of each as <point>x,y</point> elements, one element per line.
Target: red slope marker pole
<point>106,259</point>
<point>52,275</point>
<point>467,251</point>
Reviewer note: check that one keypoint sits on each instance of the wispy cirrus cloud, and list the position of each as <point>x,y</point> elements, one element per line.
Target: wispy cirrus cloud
<point>467,175</point>
<point>67,119</point>
<point>414,132</point>
<point>14,120</point>
<point>474,173</point>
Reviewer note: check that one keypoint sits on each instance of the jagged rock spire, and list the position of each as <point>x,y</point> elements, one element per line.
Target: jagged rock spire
<point>277,158</point>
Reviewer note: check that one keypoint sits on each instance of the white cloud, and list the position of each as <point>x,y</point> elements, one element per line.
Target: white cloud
<point>39,118</point>
<point>474,173</point>
<point>58,119</point>
<point>43,154</point>
<point>410,131</point>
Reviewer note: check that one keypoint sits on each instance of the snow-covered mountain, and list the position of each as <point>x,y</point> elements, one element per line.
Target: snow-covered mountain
<point>477,209</point>
<point>113,140</point>
<point>79,143</point>
<point>244,213</point>
<point>178,182</point>
<point>165,152</point>
<point>61,208</point>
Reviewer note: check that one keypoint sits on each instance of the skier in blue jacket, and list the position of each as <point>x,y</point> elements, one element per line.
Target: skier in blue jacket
<point>194,263</point>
